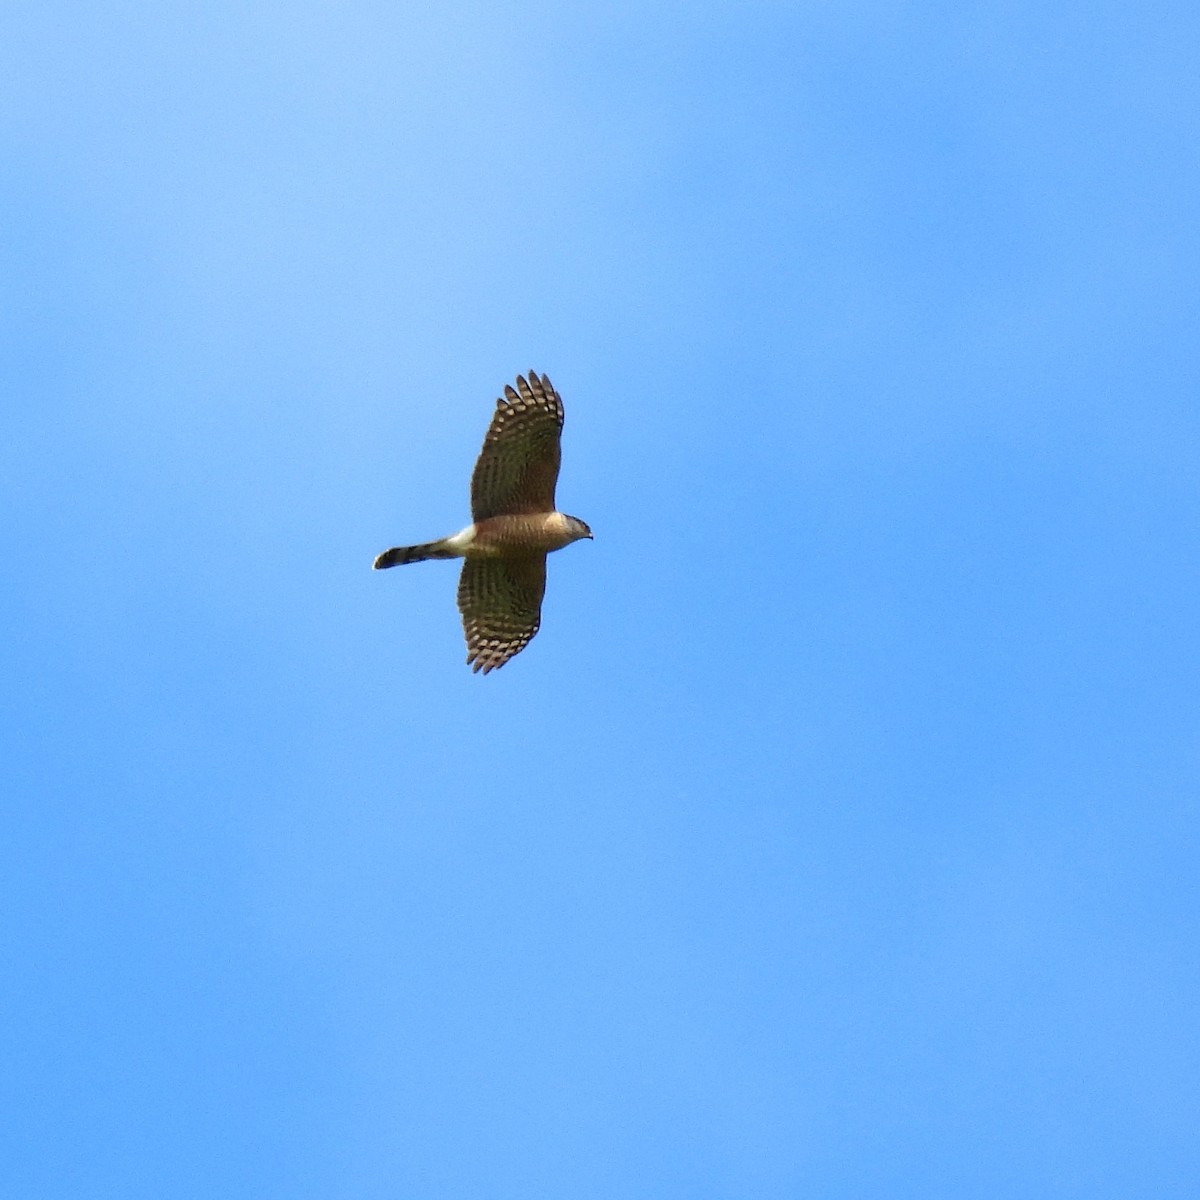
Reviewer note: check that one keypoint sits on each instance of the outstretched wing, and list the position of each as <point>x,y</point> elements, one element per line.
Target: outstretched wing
<point>501,604</point>
<point>518,465</point>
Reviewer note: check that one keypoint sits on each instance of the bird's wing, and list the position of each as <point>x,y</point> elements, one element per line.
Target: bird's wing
<point>501,604</point>
<point>518,465</point>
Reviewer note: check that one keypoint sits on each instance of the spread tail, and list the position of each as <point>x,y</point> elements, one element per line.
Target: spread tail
<point>398,555</point>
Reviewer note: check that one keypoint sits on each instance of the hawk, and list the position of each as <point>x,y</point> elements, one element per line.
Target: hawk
<point>514,525</point>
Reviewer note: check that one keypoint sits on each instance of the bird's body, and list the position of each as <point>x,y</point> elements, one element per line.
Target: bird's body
<point>493,537</point>
<point>515,526</point>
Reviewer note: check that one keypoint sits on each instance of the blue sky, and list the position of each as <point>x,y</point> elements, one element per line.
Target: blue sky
<point>838,834</point>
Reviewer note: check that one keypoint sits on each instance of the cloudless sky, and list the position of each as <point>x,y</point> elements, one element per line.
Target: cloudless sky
<point>837,836</point>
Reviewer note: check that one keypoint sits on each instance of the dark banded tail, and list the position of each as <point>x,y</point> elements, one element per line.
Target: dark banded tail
<point>399,555</point>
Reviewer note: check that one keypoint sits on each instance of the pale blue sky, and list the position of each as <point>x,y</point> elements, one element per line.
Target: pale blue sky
<point>838,834</point>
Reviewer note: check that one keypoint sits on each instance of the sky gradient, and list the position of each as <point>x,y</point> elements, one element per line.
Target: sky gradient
<point>838,834</point>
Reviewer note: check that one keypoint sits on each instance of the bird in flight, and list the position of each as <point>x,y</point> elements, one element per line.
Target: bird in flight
<point>514,525</point>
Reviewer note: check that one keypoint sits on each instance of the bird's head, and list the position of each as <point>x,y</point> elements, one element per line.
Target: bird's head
<point>577,528</point>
